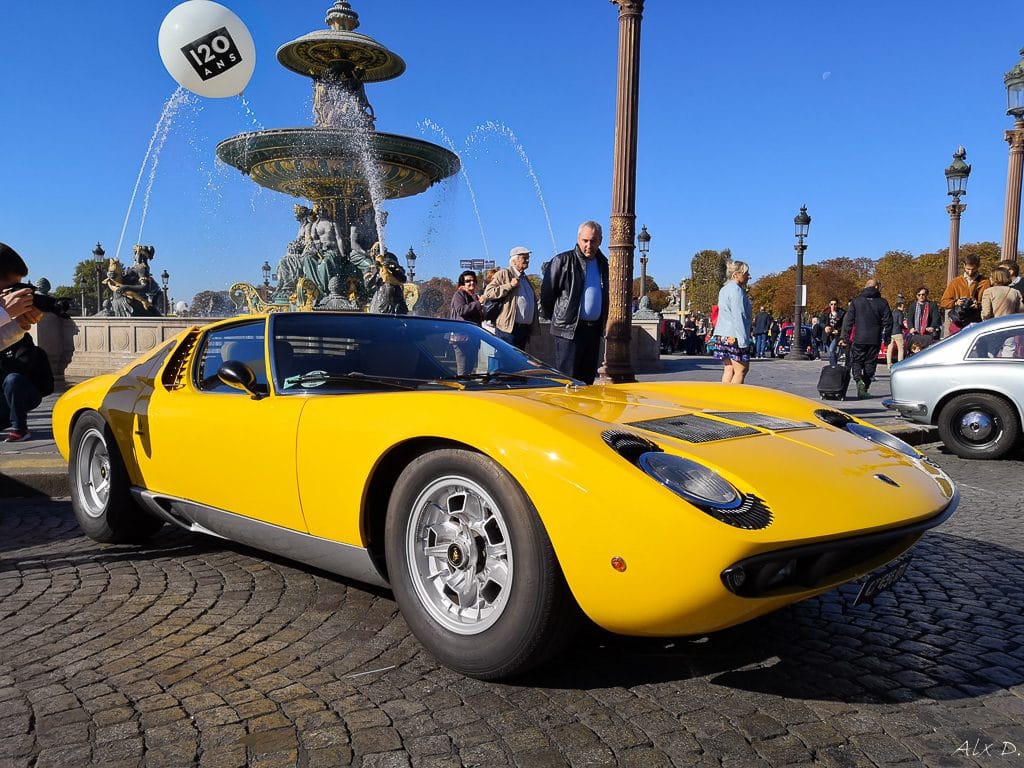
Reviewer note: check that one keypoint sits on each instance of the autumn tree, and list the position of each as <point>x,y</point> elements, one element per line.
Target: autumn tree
<point>83,278</point>
<point>707,276</point>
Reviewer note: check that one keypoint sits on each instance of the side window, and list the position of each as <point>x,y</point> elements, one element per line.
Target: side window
<point>238,342</point>
<point>1008,344</point>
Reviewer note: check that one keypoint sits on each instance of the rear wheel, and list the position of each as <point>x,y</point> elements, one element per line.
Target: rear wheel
<point>472,567</point>
<point>100,492</point>
<point>979,426</point>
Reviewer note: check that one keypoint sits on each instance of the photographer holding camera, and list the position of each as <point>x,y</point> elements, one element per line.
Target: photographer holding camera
<point>25,374</point>
<point>17,311</point>
<point>962,297</point>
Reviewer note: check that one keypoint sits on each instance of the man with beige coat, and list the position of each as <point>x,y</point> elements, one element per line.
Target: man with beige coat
<point>518,315</point>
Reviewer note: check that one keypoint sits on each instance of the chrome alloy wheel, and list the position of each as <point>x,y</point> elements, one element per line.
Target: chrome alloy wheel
<point>976,426</point>
<point>459,551</point>
<point>92,473</point>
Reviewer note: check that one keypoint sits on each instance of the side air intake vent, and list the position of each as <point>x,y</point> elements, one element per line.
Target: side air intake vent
<point>176,369</point>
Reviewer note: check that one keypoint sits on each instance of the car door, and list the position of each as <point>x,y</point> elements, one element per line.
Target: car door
<point>209,443</point>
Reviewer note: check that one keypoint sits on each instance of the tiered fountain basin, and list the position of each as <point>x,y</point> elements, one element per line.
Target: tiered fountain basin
<point>322,163</point>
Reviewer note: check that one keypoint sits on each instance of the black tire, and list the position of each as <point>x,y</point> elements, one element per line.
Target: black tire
<point>476,579</point>
<point>979,426</point>
<point>100,493</point>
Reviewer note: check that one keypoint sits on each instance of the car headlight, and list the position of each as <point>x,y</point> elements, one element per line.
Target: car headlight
<point>881,437</point>
<point>692,481</point>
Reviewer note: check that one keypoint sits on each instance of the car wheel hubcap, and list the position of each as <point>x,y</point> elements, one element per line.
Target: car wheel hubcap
<point>977,426</point>
<point>92,473</point>
<point>459,554</point>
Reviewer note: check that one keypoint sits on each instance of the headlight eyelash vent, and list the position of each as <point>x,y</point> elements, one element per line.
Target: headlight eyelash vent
<point>752,515</point>
<point>628,445</point>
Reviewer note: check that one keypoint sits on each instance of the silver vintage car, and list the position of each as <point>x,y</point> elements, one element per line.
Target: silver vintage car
<point>971,385</point>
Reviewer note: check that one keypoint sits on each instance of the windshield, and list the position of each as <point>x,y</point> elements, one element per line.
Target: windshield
<point>354,352</point>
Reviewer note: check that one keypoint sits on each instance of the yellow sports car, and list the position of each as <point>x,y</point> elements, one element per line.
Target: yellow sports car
<point>499,499</point>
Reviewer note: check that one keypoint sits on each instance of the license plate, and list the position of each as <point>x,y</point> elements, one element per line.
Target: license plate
<point>881,581</point>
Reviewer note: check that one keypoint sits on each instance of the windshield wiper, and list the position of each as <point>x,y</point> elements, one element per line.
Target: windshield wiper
<point>493,376</point>
<point>545,373</point>
<point>353,377</point>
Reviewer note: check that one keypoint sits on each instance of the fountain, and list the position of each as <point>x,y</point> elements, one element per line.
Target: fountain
<point>341,163</point>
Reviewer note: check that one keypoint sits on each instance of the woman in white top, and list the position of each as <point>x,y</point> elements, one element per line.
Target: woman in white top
<point>731,342</point>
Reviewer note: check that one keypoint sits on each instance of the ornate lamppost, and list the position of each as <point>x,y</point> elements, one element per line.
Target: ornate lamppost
<point>410,259</point>
<point>1014,80</point>
<point>644,239</point>
<point>165,278</point>
<point>618,366</point>
<point>97,255</point>
<point>81,287</point>
<point>266,269</point>
<point>956,183</point>
<point>802,222</point>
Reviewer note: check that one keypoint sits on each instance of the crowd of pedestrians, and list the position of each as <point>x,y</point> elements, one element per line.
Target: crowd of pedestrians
<point>857,333</point>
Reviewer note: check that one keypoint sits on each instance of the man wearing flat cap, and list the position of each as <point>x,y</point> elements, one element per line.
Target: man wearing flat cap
<point>518,315</point>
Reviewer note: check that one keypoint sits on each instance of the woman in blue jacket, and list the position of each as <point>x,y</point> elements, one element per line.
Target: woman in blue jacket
<point>731,342</point>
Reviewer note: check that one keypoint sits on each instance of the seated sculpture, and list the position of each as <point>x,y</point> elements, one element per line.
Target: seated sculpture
<point>133,292</point>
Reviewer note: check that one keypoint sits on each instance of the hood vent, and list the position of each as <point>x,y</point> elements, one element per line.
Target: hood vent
<point>762,421</point>
<point>695,429</point>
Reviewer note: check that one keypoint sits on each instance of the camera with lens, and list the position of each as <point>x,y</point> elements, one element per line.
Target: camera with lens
<point>44,302</point>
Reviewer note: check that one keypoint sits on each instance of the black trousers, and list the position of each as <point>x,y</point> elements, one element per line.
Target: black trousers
<point>578,356</point>
<point>864,361</point>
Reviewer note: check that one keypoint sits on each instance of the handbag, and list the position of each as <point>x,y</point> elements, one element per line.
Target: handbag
<point>492,308</point>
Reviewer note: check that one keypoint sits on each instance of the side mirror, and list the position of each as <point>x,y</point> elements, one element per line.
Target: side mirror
<point>237,374</point>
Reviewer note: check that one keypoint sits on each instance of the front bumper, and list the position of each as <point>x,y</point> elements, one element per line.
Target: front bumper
<point>813,566</point>
<point>906,409</point>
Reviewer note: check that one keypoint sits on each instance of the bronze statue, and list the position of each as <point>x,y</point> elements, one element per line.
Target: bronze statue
<point>132,292</point>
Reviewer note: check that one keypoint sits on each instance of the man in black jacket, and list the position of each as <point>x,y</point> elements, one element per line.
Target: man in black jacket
<point>574,296</point>
<point>868,317</point>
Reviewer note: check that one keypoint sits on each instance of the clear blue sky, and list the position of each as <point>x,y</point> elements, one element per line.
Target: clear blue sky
<point>748,109</point>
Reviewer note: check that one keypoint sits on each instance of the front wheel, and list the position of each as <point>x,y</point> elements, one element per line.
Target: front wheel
<point>978,426</point>
<point>100,493</point>
<point>472,567</point>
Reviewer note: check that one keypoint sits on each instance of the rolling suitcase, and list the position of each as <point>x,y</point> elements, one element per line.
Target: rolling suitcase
<point>834,382</point>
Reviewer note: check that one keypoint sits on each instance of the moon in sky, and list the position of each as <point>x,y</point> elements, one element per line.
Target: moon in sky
<point>826,75</point>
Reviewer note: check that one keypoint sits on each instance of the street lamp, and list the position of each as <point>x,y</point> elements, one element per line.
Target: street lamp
<point>618,363</point>
<point>164,279</point>
<point>802,222</point>
<point>266,269</point>
<point>81,287</point>
<point>410,259</point>
<point>1014,80</point>
<point>644,239</point>
<point>956,183</point>
<point>97,255</point>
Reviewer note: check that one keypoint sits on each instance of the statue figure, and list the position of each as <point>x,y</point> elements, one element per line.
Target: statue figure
<point>324,233</point>
<point>334,298</point>
<point>339,98</point>
<point>304,216</point>
<point>289,269</point>
<point>129,291</point>
<point>357,255</point>
<point>386,278</point>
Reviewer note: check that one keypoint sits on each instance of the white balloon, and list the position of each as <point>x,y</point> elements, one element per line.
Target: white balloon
<point>207,48</point>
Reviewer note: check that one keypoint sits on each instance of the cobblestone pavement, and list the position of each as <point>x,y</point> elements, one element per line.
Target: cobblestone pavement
<point>194,651</point>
